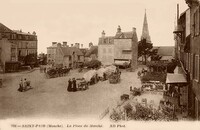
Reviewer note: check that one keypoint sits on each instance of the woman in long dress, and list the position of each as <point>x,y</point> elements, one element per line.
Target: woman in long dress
<point>74,85</point>
<point>69,88</point>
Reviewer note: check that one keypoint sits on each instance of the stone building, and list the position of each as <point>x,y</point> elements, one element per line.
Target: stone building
<point>187,36</point>
<point>8,54</point>
<point>16,45</point>
<point>69,56</point>
<point>118,49</point>
<point>51,53</point>
<point>92,53</point>
<point>62,55</point>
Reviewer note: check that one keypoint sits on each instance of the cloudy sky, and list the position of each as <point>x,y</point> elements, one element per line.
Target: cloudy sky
<point>83,20</point>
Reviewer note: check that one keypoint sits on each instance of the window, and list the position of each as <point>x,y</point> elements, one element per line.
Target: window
<point>189,62</point>
<point>79,57</point>
<point>19,53</point>
<point>126,51</point>
<point>199,19</point>
<point>196,23</point>
<point>191,65</point>
<point>196,67</point>
<point>70,58</point>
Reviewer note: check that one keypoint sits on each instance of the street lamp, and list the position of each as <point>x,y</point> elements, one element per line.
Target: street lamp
<point>179,32</point>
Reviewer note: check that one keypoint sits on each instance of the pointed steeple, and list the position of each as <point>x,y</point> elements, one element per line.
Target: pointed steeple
<point>145,30</point>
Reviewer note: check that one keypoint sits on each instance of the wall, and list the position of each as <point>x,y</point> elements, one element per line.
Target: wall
<point>5,46</point>
<point>122,44</point>
<point>195,48</point>
<point>59,57</point>
<point>51,53</point>
<point>106,54</point>
<point>194,90</point>
<point>66,61</point>
<point>26,47</point>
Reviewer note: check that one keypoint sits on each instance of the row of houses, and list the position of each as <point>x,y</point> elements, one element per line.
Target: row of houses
<point>187,51</point>
<point>70,56</point>
<point>14,46</point>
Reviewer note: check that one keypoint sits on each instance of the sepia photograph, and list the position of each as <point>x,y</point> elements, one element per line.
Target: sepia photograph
<point>99,64</point>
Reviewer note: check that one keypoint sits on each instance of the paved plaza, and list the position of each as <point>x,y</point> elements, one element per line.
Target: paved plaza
<point>49,98</point>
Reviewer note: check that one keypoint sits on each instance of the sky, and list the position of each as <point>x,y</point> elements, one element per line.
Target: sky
<point>82,21</point>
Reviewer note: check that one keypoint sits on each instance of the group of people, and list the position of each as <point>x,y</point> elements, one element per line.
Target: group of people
<point>72,85</point>
<point>23,85</point>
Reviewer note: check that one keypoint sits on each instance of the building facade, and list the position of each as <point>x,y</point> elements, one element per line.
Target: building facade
<point>188,50</point>
<point>92,53</point>
<point>17,43</point>
<point>62,55</point>
<point>119,48</point>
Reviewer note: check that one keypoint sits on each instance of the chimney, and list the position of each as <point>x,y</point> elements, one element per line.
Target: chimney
<point>134,30</point>
<point>103,34</point>
<point>90,44</point>
<point>77,45</point>
<point>59,45</point>
<point>64,44</point>
<point>81,45</point>
<point>71,45</point>
<point>119,29</point>
<point>54,43</point>
<point>177,13</point>
<point>34,33</point>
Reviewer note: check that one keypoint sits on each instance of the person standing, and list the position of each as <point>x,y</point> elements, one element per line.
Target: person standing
<point>69,88</point>
<point>25,84</point>
<point>20,85</point>
<point>74,85</point>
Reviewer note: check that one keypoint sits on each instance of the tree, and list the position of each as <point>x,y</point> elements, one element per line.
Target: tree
<point>154,55</point>
<point>30,59</point>
<point>93,64</point>
<point>144,49</point>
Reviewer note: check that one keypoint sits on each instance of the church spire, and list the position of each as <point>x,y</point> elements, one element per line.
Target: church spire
<point>145,30</point>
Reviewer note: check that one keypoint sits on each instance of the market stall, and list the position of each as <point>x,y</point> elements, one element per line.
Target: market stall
<point>90,76</point>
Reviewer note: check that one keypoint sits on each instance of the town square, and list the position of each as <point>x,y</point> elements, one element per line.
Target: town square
<point>98,63</point>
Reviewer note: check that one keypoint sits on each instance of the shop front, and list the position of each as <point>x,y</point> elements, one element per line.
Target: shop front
<point>177,92</point>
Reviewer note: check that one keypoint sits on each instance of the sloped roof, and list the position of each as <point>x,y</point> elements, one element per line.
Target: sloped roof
<point>3,28</point>
<point>69,51</point>
<point>20,32</point>
<point>106,40</point>
<point>92,50</point>
<point>176,78</point>
<point>124,35</point>
<point>165,50</point>
<point>66,51</point>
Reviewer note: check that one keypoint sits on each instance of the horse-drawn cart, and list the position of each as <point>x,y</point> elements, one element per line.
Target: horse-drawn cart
<point>57,72</point>
<point>82,84</point>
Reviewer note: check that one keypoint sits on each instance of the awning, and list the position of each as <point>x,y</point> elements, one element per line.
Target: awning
<point>122,63</point>
<point>169,58</point>
<point>176,78</point>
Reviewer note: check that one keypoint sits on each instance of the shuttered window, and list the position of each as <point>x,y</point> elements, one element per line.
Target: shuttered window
<point>191,64</point>
<point>196,68</point>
